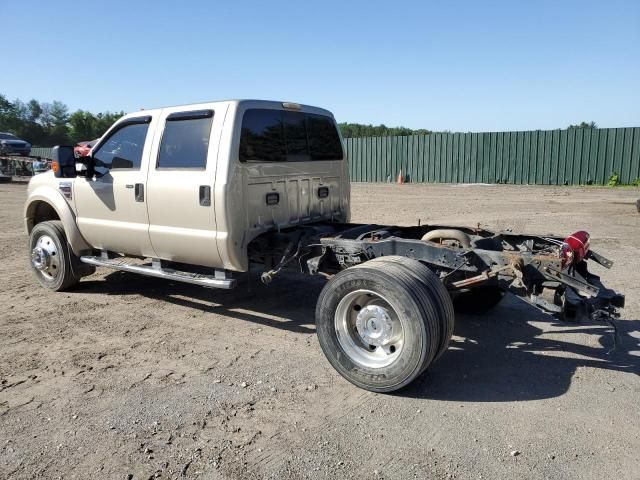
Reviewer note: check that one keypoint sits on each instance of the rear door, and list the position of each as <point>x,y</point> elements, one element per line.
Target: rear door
<point>111,206</point>
<point>182,225</point>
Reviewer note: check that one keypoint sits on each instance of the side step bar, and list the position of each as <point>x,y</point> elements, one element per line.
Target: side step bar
<point>220,280</point>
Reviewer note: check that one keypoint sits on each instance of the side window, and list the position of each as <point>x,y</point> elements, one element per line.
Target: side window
<point>123,149</point>
<point>185,140</point>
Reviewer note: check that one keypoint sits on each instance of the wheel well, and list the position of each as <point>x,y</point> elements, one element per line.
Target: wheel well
<point>40,212</point>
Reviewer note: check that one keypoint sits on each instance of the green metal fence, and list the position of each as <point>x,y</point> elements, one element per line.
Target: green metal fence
<point>549,157</point>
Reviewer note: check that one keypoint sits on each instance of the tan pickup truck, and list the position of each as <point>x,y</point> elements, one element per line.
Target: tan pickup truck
<point>197,193</point>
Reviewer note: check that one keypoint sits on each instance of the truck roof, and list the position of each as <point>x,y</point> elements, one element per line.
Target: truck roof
<point>245,102</point>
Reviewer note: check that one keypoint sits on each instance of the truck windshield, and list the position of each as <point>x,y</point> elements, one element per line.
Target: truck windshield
<point>284,136</point>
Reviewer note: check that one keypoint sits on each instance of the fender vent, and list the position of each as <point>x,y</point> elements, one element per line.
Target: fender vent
<point>65,189</point>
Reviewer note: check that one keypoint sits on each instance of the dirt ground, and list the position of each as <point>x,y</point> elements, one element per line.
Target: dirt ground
<point>130,378</point>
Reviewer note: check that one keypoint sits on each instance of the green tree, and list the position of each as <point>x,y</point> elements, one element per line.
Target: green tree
<point>354,130</point>
<point>104,120</point>
<point>584,125</point>
<point>33,110</point>
<point>54,119</point>
<point>27,117</point>
<point>83,126</point>
<point>8,115</point>
<point>47,124</point>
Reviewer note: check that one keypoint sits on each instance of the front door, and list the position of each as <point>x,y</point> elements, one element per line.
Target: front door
<point>112,206</point>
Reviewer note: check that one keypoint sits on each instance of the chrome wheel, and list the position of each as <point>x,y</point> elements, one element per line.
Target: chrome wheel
<point>368,329</point>
<point>45,257</point>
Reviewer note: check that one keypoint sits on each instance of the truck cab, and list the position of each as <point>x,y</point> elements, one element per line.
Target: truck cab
<point>194,184</point>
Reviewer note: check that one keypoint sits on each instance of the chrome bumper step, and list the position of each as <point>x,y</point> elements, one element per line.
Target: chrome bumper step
<point>219,280</point>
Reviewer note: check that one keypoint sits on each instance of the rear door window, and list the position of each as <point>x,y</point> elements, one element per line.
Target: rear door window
<point>285,136</point>
<point>185,140</point>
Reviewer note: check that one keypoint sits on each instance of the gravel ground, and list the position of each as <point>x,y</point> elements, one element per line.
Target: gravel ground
<point>129,377</point>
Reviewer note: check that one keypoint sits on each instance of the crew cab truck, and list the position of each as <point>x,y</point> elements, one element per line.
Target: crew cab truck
<point>198,193</point>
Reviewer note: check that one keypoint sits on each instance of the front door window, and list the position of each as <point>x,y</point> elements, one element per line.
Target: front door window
<point>122,150</point>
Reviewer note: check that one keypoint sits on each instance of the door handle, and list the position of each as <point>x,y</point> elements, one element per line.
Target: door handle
<point>139,192</point>
<point>205,195</point>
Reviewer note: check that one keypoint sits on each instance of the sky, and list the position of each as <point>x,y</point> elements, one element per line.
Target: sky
<point>448,65</point>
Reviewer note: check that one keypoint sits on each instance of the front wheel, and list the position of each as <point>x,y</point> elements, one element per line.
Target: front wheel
<point>51,259</point>
<point>378,325</point>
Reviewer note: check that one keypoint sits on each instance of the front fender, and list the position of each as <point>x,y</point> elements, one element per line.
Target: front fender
<point>55,199</point>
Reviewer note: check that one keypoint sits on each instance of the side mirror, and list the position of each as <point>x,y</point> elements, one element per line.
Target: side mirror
<point>63,162</point>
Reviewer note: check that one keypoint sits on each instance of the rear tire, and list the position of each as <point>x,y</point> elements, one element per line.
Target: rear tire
<point>378,325</point>
<point>441,297</point>
<point>52,261</point>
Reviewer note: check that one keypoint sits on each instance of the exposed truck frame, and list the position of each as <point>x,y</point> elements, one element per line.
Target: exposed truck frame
<point>465,258</point>
<point>387,310</point>
<point>469,266</point>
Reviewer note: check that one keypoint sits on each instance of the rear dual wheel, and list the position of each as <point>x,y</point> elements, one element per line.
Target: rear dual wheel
<point>382,323</point>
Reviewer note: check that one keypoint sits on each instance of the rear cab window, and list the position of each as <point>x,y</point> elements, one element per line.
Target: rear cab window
<point>269,135</point>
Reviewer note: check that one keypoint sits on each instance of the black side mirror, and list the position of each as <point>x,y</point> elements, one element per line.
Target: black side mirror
<point>63,162</point>
<point>90,163</point>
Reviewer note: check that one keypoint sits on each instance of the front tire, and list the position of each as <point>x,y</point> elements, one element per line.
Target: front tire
<point>51,259</point>
<point>379,325</point>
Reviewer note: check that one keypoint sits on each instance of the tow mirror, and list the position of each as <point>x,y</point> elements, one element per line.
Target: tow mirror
<point>63,162</point>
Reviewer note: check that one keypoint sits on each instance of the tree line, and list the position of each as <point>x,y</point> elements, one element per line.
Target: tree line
<point>356,130</point>
<point>46,124</point>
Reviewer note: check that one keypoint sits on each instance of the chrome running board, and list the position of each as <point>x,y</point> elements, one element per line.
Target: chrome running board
<point>219,280</point>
